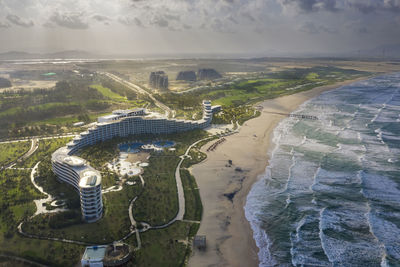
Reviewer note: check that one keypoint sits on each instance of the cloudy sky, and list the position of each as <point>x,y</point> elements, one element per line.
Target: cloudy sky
<point>198,26</point>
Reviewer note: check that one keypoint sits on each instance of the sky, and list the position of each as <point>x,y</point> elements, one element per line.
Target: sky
<point>264,27</point>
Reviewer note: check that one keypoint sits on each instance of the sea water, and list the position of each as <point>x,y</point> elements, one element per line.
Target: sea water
<point>331,193</point>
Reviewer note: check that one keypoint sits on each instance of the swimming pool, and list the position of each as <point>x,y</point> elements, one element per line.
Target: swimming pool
<point>164,143</point>
<point>130,147</point>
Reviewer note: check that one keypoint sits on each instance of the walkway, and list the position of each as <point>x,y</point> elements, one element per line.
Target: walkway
<point>39,202</point>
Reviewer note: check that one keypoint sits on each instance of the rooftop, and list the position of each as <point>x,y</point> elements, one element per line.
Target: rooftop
<point>89,178</point>
<point>94,253</point>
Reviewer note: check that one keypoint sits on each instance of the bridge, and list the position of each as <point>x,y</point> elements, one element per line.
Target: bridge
<point>299,116</point>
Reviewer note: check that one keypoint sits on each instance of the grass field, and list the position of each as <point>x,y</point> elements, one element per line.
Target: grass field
<point>12,151</point>
<point>167,247</point>
<point>108,93</point>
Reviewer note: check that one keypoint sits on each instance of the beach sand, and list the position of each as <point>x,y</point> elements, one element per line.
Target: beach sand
<point>229,235</point>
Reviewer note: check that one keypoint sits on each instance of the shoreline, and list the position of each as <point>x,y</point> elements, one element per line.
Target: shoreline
<point>229,235</point>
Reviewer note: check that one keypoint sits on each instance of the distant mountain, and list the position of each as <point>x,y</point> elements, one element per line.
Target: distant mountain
<point>69,54</point>
<point>386,51</point>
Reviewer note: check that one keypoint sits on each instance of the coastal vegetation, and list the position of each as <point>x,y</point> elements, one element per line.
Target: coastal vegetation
<point>12,151</point>
<point>156,204</point>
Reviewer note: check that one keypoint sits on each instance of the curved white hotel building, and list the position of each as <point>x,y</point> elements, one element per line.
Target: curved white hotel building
<point>122,123</point>
<point>86,180</point>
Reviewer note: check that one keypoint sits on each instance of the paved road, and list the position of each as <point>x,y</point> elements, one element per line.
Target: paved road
<point>38,138</point>
<point>34,146</point>
<point>140,91</point>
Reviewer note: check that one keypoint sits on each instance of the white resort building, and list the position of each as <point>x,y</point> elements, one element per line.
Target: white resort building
<point>121,123</point>
<point>86,180</point>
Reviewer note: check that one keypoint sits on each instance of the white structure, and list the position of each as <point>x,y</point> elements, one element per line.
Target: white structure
<point>128,122</point>
<point>119,114</point>
<point>86,180</point>
<point>93,256</point>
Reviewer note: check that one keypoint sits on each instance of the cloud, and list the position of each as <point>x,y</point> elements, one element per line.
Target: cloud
<point>72,20</point>
<point>310,28</point>
<point>19,21</point>
<point>4,25</point>
<point>127,21</point>
<point>363,6</point>
<point>376,6</point>
<point>101,18</point>
<point>312,5</point>
<point>160,22</point>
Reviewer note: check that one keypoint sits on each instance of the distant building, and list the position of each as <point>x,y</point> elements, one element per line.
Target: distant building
<point>208,74</point>
<point>186,76</point>
<point>158,80</point>
<point>116,254</point>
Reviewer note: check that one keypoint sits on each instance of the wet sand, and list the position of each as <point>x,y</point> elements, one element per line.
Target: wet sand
<point>224,188</point>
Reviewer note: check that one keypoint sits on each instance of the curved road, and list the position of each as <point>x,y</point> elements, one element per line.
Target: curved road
<point>140,91</point>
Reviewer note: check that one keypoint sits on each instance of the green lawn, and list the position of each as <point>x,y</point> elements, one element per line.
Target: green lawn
<point>12,151</point>
<point>108,93</point>
<point>166,247</point>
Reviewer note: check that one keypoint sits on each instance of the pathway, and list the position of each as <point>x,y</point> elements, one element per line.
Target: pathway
<point>39,202</point>
<point>38,138</point>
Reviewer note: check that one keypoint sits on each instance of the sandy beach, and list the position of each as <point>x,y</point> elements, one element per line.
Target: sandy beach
<point>229,235</point>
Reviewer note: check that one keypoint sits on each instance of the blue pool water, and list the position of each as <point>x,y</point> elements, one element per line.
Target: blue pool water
<point>131,147</point>
<point>164,144</point>
<point>135,147</point>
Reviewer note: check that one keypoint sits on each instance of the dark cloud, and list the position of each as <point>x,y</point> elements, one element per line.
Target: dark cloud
<point>363,6</point>
<point>69,20</point>
<point>160,22</point>
<point>19,21</point>
<point>312,5</point>
<point>248,16</point>
<point>362,30</point>
<point>375,6</point>
<point>101,18</point>
<point>310,28</point>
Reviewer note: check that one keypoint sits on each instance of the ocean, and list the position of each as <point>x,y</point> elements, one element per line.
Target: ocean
<point>331,193</point>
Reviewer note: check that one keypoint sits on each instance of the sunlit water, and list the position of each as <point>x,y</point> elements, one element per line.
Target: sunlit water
<point>331,193</point>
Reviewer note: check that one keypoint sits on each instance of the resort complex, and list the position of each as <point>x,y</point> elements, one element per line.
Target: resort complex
<point>86,180</point>
<point>130,122</point>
